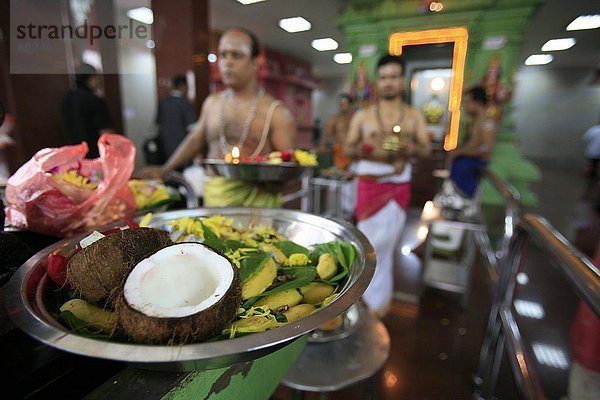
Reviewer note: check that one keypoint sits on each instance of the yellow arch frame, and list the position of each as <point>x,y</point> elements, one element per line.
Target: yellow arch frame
<point>460,37</point>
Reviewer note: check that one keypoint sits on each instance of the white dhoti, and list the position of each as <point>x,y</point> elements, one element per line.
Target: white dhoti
<point>383,230</point>
<point>381,216</point>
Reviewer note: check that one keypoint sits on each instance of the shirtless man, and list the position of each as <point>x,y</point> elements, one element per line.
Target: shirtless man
<point>470,158</point>
<point>337,127</point>
<point>242,116</point>
<point>382,140</point>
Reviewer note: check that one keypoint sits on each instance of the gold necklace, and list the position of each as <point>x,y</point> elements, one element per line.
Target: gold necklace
<point>223,142</point>
<point>392,140</point>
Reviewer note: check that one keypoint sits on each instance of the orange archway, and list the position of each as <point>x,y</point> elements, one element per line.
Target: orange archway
<point>459,36</point>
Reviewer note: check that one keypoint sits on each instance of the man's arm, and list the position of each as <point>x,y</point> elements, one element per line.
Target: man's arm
<point>329,132</point>
<point>481,144</point>
<point>353,138</point>
<point>422,145</point>
<point>283,130</point>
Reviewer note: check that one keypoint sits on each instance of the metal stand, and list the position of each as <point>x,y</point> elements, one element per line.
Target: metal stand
<point>334,196</point>
<point>178,181</point>
<point>305,192</point>
<point>330,366</point>
<point>449,275</point>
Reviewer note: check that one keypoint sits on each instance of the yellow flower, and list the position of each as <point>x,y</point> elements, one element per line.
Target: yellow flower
<point>73,177</point>
<point>305,158</point>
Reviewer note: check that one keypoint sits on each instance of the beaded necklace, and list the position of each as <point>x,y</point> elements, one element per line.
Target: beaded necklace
<point>225,146</point>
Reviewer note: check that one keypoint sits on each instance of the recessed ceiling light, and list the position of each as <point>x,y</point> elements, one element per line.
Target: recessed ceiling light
<point>294,24</point>
<point>522,278</point>
<point>324,44</point>
<point>141,14</point>
<point>212,57</point>
<point>246,2</point>
<point>559,44</point>
<point>539,59</point>
<point>343,58</point>
<point>585,22</point>
<point>437,84</point>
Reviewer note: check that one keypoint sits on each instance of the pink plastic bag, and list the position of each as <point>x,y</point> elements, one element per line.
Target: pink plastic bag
<point>39,202</point>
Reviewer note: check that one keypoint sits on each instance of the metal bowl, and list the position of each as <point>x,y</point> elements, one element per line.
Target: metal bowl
<point>26,306</point>
<point>257,172</point>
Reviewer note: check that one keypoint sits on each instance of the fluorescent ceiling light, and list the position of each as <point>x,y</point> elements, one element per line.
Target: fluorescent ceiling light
<point>294,24</point>
<point>584,22</point>
<point>559,44</point>
<point>324,44</point>
<point>529,309</point>
<point>246,2</point>
<point>142,14</point>
<point>343,58</point>
<point>539,59</point>
<point>550,355</point>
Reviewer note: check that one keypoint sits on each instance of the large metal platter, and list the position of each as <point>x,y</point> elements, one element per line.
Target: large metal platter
<point>257,172</point>
<point>25,292</point>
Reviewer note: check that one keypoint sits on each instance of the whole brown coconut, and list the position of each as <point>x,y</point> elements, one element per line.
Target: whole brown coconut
<point>162,301</point>
<point>97,272</point>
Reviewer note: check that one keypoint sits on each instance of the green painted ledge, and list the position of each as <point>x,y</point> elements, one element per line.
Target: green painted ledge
<point>253,380</point>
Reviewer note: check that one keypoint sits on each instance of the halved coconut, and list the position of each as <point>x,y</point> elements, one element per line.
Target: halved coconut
<point>97,272</point>
<point>183,293</point>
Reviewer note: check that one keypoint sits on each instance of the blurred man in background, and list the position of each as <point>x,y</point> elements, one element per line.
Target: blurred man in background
<point>175,116</point>
<point>85,114</point>
<point>336,129</point>
<point>243,116</point>
<point>381,140</point>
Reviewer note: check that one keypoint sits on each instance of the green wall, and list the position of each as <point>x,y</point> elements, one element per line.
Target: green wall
<point>372,21</point>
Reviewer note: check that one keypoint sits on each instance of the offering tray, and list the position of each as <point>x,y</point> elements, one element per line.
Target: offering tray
<point>257,171</point>
<point>27,290</point>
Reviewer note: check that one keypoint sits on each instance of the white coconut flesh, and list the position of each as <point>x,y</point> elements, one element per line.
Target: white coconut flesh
<point>177,281</point>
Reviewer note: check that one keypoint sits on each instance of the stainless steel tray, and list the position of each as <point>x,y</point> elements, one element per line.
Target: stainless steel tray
<point>257,172</point>
<point>24,298</point>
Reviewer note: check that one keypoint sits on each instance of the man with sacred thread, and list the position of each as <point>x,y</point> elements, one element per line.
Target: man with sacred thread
<point>241,119</point>
<point>382,140</point>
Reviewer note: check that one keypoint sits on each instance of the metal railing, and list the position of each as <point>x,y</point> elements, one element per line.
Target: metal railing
<point>495,258</point>
<point>512,212</point>
<point>582,275</point>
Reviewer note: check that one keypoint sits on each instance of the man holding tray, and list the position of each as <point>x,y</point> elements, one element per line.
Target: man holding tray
<point>382,139</point>
<point>242,116</point>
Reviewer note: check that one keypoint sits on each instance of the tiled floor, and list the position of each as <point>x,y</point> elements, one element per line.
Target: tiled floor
<point>435,344</point>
